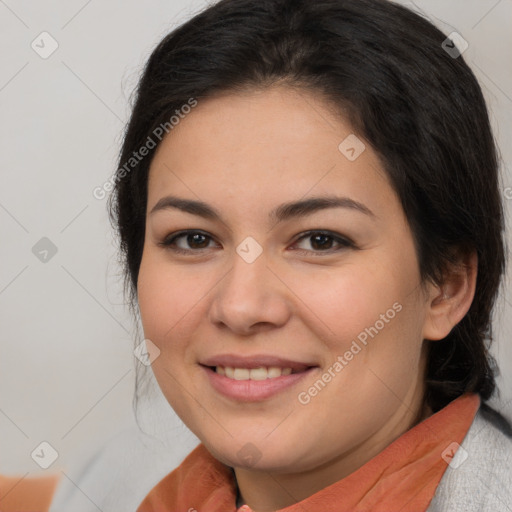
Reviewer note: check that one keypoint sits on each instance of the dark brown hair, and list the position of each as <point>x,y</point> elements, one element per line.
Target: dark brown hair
<point>419,107</point>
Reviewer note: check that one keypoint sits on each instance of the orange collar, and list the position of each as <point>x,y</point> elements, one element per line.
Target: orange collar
<point>404,476</point>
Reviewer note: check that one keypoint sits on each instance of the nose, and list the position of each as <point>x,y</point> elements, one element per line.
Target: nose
<point>251,298</point>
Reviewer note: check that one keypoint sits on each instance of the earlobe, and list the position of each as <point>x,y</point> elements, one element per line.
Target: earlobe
<point>449,302</point>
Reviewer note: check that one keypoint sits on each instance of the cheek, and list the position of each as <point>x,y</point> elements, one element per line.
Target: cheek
<point>169,303</point>
<point>345,301</point>
<point>168,297</point>
<point>373,344</point>
<point>370,313</point>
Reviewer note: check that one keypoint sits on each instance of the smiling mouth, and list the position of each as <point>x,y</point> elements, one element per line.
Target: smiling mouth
<point>256,383</point>
<point>259,373</point>
<point>256,377</point>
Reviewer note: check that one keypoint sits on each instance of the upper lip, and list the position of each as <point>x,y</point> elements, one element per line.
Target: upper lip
<point>255,361</point>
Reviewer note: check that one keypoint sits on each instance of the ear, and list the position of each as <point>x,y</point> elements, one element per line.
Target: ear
<point>450,301</point>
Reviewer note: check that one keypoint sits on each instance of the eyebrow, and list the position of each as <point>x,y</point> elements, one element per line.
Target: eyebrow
<point>281,213</point>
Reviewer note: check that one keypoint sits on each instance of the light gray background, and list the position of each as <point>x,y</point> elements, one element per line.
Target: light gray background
<point>66,361</point>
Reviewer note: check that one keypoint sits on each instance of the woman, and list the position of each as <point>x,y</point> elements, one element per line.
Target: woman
<point>315,246</point>
<point>310,218</point>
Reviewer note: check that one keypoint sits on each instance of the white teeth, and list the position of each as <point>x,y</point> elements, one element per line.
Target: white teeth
<point>261,373</point>
<point>274,371</point>
<point>258,374</point>
<point>241,374</point>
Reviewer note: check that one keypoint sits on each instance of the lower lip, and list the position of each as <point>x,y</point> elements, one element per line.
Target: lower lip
<point>253,390</point>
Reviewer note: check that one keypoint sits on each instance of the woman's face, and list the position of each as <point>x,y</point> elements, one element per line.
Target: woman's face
<point>257,285</point>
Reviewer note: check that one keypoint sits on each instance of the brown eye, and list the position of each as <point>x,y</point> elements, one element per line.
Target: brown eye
<point>189,241</point>
<point>197,240</point>
<point>323,241</point>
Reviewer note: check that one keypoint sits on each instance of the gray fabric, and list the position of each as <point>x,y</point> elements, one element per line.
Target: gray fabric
<point>483,481</point>
<point>120,474</point>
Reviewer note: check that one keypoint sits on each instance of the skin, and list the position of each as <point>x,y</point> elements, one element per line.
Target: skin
<point>244,154</point>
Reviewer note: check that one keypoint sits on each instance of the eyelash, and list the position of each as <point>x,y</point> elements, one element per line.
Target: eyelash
<point>344,242</point>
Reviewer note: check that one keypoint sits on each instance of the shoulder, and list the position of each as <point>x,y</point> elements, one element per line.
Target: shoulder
<point>480,476</point>
<point>120,473</point>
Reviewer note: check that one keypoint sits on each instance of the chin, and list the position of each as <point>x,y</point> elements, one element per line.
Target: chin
<point>258,456</point>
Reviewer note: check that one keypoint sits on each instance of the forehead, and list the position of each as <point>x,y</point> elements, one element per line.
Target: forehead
<point>266,146</point>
